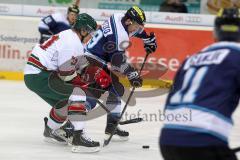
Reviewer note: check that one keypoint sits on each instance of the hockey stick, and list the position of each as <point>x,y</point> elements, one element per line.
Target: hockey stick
<point>106,141</point>
<point>134,120</point>
<point>69,129</point>
<point>237,149</point>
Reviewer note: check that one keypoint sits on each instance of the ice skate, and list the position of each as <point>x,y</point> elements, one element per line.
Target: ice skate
<point>58,136</point>
<point>83,144</point>
<point>119,135</point>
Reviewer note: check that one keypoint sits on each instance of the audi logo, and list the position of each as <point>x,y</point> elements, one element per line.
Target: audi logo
<point>4,9</point>
<point>193,19</point>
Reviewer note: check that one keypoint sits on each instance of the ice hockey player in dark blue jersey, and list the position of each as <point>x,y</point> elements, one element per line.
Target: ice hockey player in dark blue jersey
<point>108,46</point>
<point>207,86</point>
<point>57,22</point>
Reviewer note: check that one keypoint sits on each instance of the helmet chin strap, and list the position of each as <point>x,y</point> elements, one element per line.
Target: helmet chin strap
<point>81,36</point>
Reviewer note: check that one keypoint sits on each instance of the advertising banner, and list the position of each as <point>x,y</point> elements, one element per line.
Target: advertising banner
<point>10,9</point>
<point>17,37</point>
<point>181,19</point>
<point>193,6</point>
<point>103,14</point>
<point>41,11</point>
<point>175,43</point>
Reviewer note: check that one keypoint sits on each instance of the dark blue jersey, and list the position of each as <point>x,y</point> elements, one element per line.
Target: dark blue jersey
<point>54,24</point>
<point>111,38</point>
<point>206,88</point>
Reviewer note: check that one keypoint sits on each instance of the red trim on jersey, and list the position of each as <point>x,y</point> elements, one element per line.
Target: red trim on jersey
<point>55,116</point>
<point>49,42</point>
<point>36,62</point>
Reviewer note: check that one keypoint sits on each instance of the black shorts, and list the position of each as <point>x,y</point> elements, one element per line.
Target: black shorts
<point>197,153</point>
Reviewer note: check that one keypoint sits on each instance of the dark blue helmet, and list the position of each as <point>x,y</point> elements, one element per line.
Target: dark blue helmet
<point>137,14</point>
<point>227,25</point>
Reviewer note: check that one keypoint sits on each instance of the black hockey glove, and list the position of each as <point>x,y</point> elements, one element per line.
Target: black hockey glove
<point>135,79</point>
<point>150,44</point>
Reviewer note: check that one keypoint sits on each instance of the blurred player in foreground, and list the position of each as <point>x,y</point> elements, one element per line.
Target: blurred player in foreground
<point>108,46</point>
<point>52,72</point>
<point>57,22</point>
<point>208,86</point>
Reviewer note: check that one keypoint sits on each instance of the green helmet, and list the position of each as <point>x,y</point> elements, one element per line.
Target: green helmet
<point>85,22</point>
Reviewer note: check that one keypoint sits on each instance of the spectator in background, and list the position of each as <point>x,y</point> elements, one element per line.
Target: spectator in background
<point>214,6</point>
<point>173,6</point>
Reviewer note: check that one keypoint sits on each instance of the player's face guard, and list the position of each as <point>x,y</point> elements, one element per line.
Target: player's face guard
<point>86,33</point>
<point>89,30</point>
<point>135,29</point>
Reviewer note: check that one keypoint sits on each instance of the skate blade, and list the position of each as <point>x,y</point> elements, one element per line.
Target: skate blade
<point>117,138</point>
<point>82,149</point>
<point>69,141</point>
<point>53,141</point>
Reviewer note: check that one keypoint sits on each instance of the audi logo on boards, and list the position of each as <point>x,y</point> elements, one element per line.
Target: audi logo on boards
<point>4,9</point>
<point>193,19</point>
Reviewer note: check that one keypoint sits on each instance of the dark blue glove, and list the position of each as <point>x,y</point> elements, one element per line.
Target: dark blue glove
<point>150,44</point>
<point>135,79</point>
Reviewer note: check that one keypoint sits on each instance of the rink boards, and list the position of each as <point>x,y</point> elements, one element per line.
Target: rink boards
<point>175,42</point>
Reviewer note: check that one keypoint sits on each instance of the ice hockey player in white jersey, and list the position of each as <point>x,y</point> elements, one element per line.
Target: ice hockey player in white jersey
<point>206,92</point>
<point>52,72</point>
<point>57,22</point>
<point>108,46</point>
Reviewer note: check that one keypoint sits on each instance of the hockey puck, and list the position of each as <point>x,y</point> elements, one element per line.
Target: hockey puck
<point>145,147</point>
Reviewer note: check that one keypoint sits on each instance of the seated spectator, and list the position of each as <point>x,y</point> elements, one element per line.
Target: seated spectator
<point>214,6</point>
<point>173,6</point>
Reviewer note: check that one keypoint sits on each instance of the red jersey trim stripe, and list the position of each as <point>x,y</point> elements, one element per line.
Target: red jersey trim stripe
<point>34,61</point>
<point>55,117</point>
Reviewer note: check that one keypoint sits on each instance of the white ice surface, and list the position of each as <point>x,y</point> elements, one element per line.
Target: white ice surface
<point>21,116</point>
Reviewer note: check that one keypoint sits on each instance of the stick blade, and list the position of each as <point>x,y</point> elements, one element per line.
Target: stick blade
<point>135,120</point>
<point>107,139</point>
<point>106,142</point>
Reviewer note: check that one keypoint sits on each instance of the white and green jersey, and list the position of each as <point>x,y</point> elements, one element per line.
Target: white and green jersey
<point>53,54</point>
